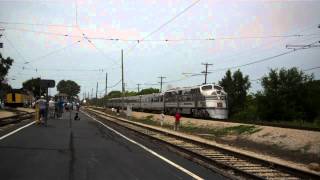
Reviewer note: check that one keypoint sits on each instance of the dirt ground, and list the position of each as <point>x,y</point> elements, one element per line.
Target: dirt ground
<point>289,144</point>
<point>5,114</point>
<point>29,110</point>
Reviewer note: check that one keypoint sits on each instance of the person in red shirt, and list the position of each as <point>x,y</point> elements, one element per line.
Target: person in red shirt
<point>177,121</point>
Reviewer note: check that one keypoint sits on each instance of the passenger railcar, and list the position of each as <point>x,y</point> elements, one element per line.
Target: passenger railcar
<point>206,101</point>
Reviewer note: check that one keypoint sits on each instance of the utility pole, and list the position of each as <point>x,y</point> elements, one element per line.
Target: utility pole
<point>91,93</point>
<point>97,91</point>
<point>122,79</point>
<point>106,92</point>
<point>161,82</point>
<point>206,71</point>
<point>1,44</point>
<point>138,87</point>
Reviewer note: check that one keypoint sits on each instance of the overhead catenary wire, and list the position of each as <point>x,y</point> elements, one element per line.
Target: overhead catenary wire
<point>310,69</point>
<point>85,36</point>
<point>57,69</point>
<point>15,49</point>
<point>18,52</point>
<point>277,40</point>
<point>165,39</point>
<point>247,64</point>
<point>166,23</point>
<point>261,60</point>
<point>114,84</point>
<point>37,24</point>
<point>53,52</point>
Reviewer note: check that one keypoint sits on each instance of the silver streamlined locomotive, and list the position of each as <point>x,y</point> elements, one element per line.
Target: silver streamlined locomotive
<point>203,101</point>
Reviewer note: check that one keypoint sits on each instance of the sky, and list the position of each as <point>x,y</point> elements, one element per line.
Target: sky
<point>77,40</point>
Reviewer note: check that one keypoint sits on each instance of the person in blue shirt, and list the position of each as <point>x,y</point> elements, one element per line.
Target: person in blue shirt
<point>61,106</point>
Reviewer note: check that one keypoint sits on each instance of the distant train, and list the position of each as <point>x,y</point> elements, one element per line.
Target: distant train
<point>205,101</point>
<point>18,98</point>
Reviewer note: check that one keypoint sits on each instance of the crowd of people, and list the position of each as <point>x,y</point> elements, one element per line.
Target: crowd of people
<point>53,108</point>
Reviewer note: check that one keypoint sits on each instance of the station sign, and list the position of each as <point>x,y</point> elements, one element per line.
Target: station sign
<point>46,83</point>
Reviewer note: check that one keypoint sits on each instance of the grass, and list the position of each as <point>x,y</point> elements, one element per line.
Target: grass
<point>294,124</point>
<point>192,129</point>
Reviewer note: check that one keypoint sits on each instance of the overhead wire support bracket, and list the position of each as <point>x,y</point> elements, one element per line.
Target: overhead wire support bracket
<point>304,46</point>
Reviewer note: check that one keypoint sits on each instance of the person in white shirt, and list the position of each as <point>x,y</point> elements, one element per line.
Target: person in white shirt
<point>42,109</point>
<point>162,116</point>
<point>51,108</point>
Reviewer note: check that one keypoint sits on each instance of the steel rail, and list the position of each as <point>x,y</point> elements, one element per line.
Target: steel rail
<point>16,118</point>
<point>247,166</point>
<point>262,123</point>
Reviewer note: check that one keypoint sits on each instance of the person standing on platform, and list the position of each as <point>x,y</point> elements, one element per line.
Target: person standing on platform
<point>162,117</point>
<point>42,103</point>
<point>56,108</point>
<point>51,108</point>
<point>61,106</point>
<point>177,121</point>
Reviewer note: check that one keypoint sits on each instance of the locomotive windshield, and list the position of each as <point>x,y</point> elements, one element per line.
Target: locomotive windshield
<point>207,87</point>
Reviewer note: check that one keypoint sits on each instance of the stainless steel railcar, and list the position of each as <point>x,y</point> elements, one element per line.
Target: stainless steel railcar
<point>205,101</point>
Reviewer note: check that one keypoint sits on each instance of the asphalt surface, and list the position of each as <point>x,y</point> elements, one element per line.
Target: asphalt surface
<point>87,150</point>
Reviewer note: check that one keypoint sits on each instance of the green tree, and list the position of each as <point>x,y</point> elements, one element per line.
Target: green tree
<point>4,88</point>
<point>131,93</point>
<point>68,87</point>
<point>237,86</point>
<point>311,102</point>
<point>32,85</point>
<point>288,94</point>
<point>249,113</point>
<point>148,91</point>
<point>114,94</point>
<point>5,64</point>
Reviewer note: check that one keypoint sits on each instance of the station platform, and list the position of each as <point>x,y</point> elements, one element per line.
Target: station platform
<point>84,149</point>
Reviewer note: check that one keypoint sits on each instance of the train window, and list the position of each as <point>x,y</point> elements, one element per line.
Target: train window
<point>195,91</point>
<point>207,87</point>
<point>218,87</point>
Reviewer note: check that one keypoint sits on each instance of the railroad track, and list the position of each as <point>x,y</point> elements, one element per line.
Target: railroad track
<point>259,123</point>
<point>16,118</point>
<point>239,164</point>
